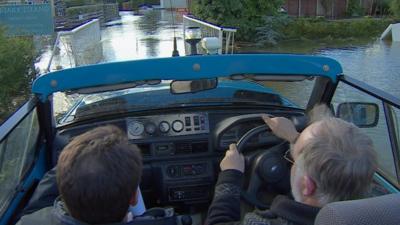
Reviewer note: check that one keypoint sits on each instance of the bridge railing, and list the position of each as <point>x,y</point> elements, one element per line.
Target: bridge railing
<point>80,46</point>
<point>226,35</point>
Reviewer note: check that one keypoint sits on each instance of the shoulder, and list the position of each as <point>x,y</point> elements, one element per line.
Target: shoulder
<point>263,218</point>
<point>43,216</point>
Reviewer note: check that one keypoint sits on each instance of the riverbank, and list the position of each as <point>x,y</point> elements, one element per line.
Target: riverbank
<point>280,29</point>
<point>303,46</point>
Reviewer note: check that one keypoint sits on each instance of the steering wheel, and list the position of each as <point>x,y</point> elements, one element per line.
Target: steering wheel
<point>267,167</point>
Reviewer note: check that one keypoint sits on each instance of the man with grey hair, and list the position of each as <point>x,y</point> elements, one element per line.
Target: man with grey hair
<point>333,160</point>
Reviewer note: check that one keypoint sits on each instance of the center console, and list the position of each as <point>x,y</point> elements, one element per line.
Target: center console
<point>187,182</point>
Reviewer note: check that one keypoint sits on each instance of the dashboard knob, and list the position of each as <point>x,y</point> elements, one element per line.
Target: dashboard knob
<point>186,220</point>
<point>150,128</point>
<point>177,126</point>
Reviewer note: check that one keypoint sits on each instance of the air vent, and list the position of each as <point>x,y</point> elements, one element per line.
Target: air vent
<point>188,147</point>
<point>144,149</point>
<point>199,147</point>
<point>183,148</point>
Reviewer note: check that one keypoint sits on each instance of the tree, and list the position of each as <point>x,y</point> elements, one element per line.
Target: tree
<point>16,72</point>
<point>243,14</point>
<point>395,7</point>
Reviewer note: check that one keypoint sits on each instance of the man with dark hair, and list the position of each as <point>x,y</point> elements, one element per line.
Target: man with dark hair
<point>98,175</point>
<point>92,174</point>
<point>332,160</point>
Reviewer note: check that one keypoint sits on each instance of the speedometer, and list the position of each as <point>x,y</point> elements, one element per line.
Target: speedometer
<point>177,126</point>
<point>135,128</point>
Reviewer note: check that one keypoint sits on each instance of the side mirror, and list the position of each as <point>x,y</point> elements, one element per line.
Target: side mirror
<point>362,114</point>
<point>192,86</point>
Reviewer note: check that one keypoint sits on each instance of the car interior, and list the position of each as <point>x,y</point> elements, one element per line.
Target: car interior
<point>182,150</point>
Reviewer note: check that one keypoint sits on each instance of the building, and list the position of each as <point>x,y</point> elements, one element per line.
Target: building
<point>11,2</point>
<point>329,9</point>
<point>176,4</point>
<point>60,8</point>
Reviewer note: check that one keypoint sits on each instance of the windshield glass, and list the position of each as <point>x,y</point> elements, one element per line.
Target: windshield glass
<point>73,107</point>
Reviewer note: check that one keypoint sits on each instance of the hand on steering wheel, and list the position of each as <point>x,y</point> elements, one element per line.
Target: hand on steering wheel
<point>282,127</point>
<point>232,160</point>
<point>268,166</point>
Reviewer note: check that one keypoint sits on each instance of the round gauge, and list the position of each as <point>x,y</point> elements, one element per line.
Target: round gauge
<point>164,126</point>
<point>135,128</point>
<point>150,128</point>
<point>177,126</point>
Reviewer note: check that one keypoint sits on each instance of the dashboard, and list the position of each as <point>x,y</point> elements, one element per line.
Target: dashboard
<point>182,149</point>
<point>167,125</point>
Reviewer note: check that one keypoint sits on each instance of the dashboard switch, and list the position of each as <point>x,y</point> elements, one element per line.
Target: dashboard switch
<point>173,171</point>
<point>187,121</point>
<point>196,120</point>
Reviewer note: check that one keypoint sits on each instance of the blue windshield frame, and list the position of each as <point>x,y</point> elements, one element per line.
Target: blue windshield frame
<point>184,68</point>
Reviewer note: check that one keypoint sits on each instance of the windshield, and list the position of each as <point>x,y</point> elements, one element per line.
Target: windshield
<point>73,107</point>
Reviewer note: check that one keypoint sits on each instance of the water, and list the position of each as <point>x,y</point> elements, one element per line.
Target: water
<point>151,35</point>
<point>147,36</point>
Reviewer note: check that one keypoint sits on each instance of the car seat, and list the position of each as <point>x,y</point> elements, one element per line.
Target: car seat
<point>382,210</point>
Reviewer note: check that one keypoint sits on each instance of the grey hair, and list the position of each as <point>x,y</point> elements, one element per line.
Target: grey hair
<point>340,159</point>
<point>318,113</point>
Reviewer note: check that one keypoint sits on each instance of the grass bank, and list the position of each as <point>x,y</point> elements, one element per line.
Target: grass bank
<point>280,29</point>
<point>348,28</point>
<point>303,46</point>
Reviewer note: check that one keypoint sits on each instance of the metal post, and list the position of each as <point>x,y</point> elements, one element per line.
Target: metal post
<point>299,8</point>
<point>220,36</point>
<point>52,52</point>
<point>184,37</point>
<point>233,42</point>
<point>227,41</point>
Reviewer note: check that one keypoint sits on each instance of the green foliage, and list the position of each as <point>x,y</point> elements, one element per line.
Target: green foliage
<point>271,32</point>
<point>16,72</point>
<point>356,28</point>
<point>282,28</point>
<point>246,15</point>
<point>354,8</point>
<point>395,7</point>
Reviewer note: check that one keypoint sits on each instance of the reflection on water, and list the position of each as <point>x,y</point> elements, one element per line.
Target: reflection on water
<point>377,64</point>
<point>131,37</point>
<point>138,37</point>
<point>297,92</point>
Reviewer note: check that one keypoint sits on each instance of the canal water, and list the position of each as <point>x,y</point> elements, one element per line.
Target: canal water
<point>151,35</point>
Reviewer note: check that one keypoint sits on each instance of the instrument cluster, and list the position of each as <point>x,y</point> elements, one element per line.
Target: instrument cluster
<point>167,125</point>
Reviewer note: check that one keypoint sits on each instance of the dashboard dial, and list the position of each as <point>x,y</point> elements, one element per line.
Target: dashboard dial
<point>164,126</point>
<point>177,126</point>
<point>150,128</point>
<point>135,128</point>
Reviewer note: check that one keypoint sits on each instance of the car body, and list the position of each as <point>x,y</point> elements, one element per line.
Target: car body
<point>183,136</point>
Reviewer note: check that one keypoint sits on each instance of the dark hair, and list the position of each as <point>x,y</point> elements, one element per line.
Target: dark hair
<point>98,173</point>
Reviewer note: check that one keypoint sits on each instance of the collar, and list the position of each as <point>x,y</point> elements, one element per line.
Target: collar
<point>293,211</point>
<point>61,213</point>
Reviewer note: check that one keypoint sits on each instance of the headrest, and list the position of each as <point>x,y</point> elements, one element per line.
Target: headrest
<point>382,210</point>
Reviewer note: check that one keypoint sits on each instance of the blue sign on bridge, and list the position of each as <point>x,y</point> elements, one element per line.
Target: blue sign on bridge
<point>21,20</point>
